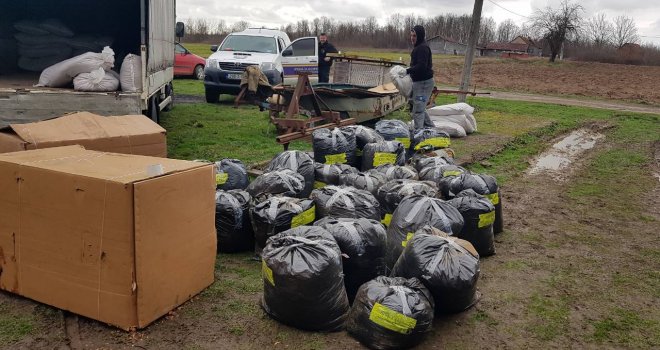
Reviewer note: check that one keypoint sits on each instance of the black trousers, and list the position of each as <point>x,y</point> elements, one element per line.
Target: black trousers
<point>324,74</point>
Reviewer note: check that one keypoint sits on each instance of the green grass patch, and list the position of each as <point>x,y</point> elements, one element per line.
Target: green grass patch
<point>199,49</point>
<point>551,315</point>
<point>482,316</point>
<point>188,87</point>
<point>626,327</point>
<point>14,327</point>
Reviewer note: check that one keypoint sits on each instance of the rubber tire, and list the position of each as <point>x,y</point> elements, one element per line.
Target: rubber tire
<point>198,72</point>
<point>212,96</point>
<point>154,111</point>
<point>169,91</point>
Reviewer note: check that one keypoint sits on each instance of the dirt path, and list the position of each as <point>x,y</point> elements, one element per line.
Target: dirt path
<point>618,106</point>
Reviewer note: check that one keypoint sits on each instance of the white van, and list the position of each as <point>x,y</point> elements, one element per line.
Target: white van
<point>272,50</point>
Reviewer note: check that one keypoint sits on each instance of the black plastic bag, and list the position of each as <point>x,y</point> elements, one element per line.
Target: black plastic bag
<point>392,192</point>
<point>277,214</point>
<point>279,182</point>
<point>413,213</point>
<point>303,280</point>
<point>391,313</point>
<point>362,242</point>
<point>298,162</point>
<point>393,172</point>
<point>345,202</point>
<point>328,174</point>
<point>446,266</point>
<point>385,152</point>
<point>437,173</point>
<point>363,136</point>
<point>364,181</point>
<point>421,162</point>
<point>478,218</point>
<point>394,130</point>
<point>232,221</point>
<point>230,174</point>
<point>429,139</point>
<point>335,146</point>
<point>482,184</point>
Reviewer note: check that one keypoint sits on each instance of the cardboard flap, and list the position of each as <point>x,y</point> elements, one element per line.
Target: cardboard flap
<point>9,142</point>
<point>175,240</point>
<point>84,126</point>
<point>115,167</point>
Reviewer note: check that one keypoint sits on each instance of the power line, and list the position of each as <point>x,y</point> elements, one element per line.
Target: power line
<point>506,9</point>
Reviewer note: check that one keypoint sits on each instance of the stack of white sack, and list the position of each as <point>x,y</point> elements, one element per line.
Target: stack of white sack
<point>401,80</point>
<point>456,119</point>
<point>97,80</point>
<point>62,73</point>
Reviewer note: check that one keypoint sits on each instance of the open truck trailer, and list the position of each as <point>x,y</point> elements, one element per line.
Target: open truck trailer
<point>141,27</point>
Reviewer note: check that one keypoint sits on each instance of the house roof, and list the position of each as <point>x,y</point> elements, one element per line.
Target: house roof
<point>440,37</point>
<point>507,47</point>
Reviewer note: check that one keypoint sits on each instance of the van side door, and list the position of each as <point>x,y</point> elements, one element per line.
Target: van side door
<point>302,56</point>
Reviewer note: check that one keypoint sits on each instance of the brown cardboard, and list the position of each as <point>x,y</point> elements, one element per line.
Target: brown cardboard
<point>129,134</point>
<point>96,234</point>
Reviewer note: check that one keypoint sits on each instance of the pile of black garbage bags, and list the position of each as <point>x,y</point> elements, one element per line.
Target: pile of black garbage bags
<point>378,233</point>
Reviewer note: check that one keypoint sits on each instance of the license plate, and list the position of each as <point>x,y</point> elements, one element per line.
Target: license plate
<point>234,76</point>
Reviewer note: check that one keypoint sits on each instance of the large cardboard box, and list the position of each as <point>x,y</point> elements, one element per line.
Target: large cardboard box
<point>122,239</point>
<point>129,134</point>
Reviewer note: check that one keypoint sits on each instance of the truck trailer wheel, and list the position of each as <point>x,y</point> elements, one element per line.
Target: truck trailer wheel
<point>154,110</point>
<point>169,91</point>
<point>212,96</point>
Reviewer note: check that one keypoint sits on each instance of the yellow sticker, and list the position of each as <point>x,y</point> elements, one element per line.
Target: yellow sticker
<point>404,140</point>
<point>267,273</point>
<point>437,142</point>
<point>452,173</point>
<point>335,158</point>
<point>409,236</point>
<point>381,158</point>
<point>486,219</point>
<point>386,220</point>
<point>493,198</point>
<point>392,320</point>
<point>319,184</point>
<point>358,152</point>
<point>304,218</point>
<point>221,178</point>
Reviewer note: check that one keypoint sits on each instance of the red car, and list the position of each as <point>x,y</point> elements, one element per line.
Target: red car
<point>187,63</point>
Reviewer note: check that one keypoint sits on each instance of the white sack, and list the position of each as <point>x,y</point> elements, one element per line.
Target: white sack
<point>459,119</point>
<point>97,80</point>
<point>454,108</point>
<point>55,26</point>
<point>403,84</point>
<point>130,74</point>
<point>453,129</point>
<point>61,74</point>
<point>472,121</point>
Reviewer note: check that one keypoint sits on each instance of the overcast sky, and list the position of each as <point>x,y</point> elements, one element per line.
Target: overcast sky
<point>646,13</point>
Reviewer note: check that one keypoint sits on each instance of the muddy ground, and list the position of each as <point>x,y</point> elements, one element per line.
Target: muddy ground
<point>575,79</point>
<point>569,272</point>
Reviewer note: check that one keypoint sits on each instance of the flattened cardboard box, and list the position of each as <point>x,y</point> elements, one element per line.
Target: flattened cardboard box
<point>96,234</point>
<point>129,134</point>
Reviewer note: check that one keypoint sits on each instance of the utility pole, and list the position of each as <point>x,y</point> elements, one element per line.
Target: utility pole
<point>469,54</point>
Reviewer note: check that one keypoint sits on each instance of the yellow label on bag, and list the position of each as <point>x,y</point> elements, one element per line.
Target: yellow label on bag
<point>386,220</point>
<point>221,178</point>
<point>452,173</point>
<point>267,273</point>
<point>335,158</point>
<point>392,320</point>
<point>409,236</point>
<point>319,184</point>
<point>404,140</point>
<point>358,152</point>
<point>304,218</point>
<point>494,198</point>
<point>437,142</point>
<point>381,158</point>
<point>486,219</point>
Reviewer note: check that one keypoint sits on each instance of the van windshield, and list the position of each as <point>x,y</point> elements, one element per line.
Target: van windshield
<point>248,43</point>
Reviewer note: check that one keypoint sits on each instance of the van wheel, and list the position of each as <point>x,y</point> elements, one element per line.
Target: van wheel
<point>212,96</point>
<point>154,111</point>
<point>169,91</point>
<point>198,73</point>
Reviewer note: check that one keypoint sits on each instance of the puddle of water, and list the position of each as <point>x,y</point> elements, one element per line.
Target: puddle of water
<point>564,152</point>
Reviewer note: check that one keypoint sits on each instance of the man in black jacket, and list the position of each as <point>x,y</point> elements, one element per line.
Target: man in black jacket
<point>421,72</point>
<point>325,62</point>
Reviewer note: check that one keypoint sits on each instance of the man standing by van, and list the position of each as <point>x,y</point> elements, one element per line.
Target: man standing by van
<point>421,72</point>
<point>325,62</point>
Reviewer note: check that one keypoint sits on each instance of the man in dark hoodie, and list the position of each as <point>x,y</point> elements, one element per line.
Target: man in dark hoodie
<point>325,62</point>
<point>421,72</point>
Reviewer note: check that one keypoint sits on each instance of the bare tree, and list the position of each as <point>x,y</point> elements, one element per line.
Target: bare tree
<point>507,31</point>
<point>625,31</point>
<point>556,24</point>
<point>220,27</point>
<point>486,31</point>
<point>240,26</point>
<point>599,30</point>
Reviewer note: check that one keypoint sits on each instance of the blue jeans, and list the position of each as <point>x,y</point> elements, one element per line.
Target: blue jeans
<point>421,92</point>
